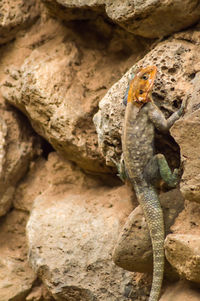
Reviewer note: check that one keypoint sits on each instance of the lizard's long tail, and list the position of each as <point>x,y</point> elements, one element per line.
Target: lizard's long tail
<point>150,203</point>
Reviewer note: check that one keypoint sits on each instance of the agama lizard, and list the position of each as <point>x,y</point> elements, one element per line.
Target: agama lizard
<point>143,167</point>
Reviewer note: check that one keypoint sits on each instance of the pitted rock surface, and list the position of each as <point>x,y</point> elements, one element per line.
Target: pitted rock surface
<point>177,79</point>
<point>18,146</point>
<point>15,16</point>
<point>150,19</point>
<point>58,90</point>
<point>133,250</point>
<point>80,233</point>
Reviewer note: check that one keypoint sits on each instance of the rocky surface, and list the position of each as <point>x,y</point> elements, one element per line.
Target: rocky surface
<point>182,251</point>
<point>16,276</point>
<point>57,89</point>
<point>133,250</point>
<point>79,227</point>
<point>16,15</point>
<point>176,80</point>
<point>182,246</point>
<point>181,291</point>
<point>17,149</point>
<point>151,19</point>
<point>56,70</point>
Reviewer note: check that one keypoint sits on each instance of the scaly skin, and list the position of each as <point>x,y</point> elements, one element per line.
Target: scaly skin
<point>143,167</point>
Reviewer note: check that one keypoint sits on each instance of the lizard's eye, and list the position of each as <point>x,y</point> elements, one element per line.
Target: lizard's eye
<point>141,92</point>
<point>145,76</point>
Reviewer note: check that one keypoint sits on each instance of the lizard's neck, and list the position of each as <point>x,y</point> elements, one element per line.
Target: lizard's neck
<point>132,110</point>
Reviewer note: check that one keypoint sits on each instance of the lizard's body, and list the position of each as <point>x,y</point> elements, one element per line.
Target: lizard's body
<point>143,167</point>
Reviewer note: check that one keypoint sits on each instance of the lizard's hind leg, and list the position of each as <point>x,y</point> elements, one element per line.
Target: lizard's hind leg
<point>158,169</point>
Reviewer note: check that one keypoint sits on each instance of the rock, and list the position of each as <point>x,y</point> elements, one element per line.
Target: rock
<point>59,83</point>
<point>133,250</point>
<point>16,276</point>
<point>190,144</point>
<point>150,19</point>
<point>153,19</point>
<point>35,183</point>
<point>183,253</point>
<point>171,85</point>
<point>79,229</point>
<point>17,149</point>
<point>180,291</point>
<point>187,221</point>
<point>182,246</point>
<point>53,175</point>
<point>177,78</point>
<point>16,15</point>
<point>84,217</point>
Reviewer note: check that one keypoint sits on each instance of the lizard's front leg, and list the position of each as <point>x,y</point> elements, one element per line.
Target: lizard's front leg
<point>160,122</point>
<point>122,172</point>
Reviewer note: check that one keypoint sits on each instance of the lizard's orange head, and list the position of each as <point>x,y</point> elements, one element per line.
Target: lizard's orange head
<point>141,85</point>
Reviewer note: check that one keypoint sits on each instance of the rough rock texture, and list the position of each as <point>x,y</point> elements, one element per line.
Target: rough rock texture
<point>18,146</point>
<point>181,291</point>
<point>182,251</point>
<point>16,15</point>
<point>16,276</point>
<point>56,70</point>
<point>182,247</point>
<point>190,144</point>
<point>79,229</point>
<point>172,84</point>
<point>151,19</point>
<point>59,83</point>
<point>133,250</point>
<point>176,80</point>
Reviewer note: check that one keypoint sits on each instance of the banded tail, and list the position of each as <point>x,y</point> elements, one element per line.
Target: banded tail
<point>150,203</point>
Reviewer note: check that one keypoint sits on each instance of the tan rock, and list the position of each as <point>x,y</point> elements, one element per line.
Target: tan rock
<point>180,291</point>
<point>183,253</point>
<point>154,18</point>
<point>15,15</point>
<point>149,19</point>
<point>182,249</point>
<point>133,250</point>
<point>71,236</point>
<point>54,176</point>
<point>188,220</point>
<point>177,78</point>
<point>187,135</point>
<point>59,83</point>
<point>16,276</point>
<point>17,149</point>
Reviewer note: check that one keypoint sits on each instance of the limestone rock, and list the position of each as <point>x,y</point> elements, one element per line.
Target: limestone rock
<point>16,15</point>
<point>187,221</point>
<point>71,236</point>
<point>182,246</point>
<point>16,276</point>
<point>133,250</point>
<point>149,19</point>
<point>58,85</point>
<point>187,134</point>
<point>180,291</point>
<point>177,78</point>
<point>17,149</point>
<point>154,18</point>
<point>183,253</point>
<point>55,176</point>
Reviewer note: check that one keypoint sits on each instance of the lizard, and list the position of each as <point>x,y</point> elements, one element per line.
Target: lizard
<point>142,166</point>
